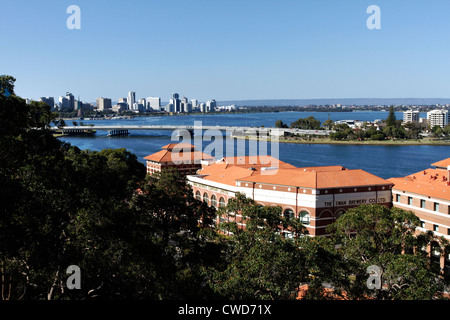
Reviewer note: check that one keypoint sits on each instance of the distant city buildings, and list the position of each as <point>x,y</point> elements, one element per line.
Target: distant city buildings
<point>131,100</point>
<point>438,117</point>
<point>104,104</point>
<point>411,116</point>
<point>48,100</point>
<point>68,104</point>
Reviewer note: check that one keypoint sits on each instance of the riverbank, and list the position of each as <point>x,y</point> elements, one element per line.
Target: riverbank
<point>421,142</point>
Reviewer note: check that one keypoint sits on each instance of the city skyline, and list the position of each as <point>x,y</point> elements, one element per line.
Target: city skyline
<point>231,51</point>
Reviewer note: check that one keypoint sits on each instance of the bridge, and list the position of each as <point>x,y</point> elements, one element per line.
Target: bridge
<point>114,130</point>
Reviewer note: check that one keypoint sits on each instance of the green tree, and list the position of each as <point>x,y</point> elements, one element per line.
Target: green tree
<point>260,262</point>
<point>309,123</point>
<point>328,124</point>
<point>373,235</point>
<point>391,119</point>
<point>280,124</point>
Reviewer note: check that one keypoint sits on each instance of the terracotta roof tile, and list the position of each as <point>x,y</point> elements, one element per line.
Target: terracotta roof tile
<point>443,163</point>
<point>320,178</point>
<point>429,182</point>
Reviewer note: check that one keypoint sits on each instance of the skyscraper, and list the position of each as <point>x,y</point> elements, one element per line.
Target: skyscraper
<point>71,101</point>
<point>131,100</point>
<point>211,105</point>
<point>48,100</point>
<point>194,103</point>
<point>153,103</point>
<point>103,104</point>
<point>176,102</point>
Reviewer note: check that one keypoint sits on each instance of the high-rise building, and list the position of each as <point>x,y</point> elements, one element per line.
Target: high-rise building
<point>63,103</point>
<point>71,101</point>
<point>194,103</point>
<point>153,103</point>
<point>131,100</point>
<point>438,117</point>
<point>48,100</point>
<point>411,116</point>
<point>211,105</point>
<point>176,102</point>
<point>103,104</point>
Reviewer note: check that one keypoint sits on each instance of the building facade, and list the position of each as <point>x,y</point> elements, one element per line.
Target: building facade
<point>427,194</point>
<point>103,104</point>
<point>315,195</point>
<point>438,118</point>
<point>411,116</point>
<point>184,157</point>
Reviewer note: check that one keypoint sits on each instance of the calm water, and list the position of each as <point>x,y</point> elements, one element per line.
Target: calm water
<point>383,161</point>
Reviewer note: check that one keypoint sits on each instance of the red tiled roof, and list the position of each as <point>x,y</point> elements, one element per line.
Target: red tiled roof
<point>429,182</point>
<point>175,152</point>
<point>320,178</point>
<point>443,163</point>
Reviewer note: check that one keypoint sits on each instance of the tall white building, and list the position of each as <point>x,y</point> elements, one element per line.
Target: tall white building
<point>194,103</point>
<point>211,105</point>
<point>153,103</point>
<point>103,104</point>
<point>438,118</point>
<point>131,100</point>
<point>411,116</point>
<point>48,100</point>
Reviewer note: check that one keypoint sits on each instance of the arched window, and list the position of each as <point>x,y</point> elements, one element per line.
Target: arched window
<point>198,196</point>
<point>304,217</point>
<point>205,198</point>
<point>288,214</point>
<point>214,201</point>
<point>338,214</point>
<point>221,202</point>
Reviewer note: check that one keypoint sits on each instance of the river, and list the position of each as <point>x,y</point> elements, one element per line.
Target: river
<point>381,160</point>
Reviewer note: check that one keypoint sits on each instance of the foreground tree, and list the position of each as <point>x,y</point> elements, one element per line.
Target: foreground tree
<point>259,262</point>
<point>375,236</point>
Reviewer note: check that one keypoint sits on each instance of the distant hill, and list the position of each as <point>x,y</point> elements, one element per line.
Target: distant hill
<point>342,101</point>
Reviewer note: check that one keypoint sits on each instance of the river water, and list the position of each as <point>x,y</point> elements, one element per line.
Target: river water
<point>383,161</point>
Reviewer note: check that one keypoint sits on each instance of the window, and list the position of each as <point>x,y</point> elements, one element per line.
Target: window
<point>436,228</point>
<point>397,198</point>
<point>304,217</point>
<point>288,214</point>
<point>214,201</point>
<point>198,196</point>
<point>205,198</point>
<point>410,201</point>
<point>422,204</point>
<point>339,213</point>
<point>436,206</point>
<point>422,224</point>
<point>221,202</point>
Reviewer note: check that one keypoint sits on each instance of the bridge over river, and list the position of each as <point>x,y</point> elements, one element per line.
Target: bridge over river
<point>117,130</point>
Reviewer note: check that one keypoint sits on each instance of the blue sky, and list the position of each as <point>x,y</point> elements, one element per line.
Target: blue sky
<point>228,49</point>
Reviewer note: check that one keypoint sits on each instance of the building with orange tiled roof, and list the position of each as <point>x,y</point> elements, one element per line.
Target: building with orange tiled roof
<point>316,195</point>
<point>182,156</point>
<point>427,194</point>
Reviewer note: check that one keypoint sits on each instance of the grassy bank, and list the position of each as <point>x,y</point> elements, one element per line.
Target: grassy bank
<point>316,140</point>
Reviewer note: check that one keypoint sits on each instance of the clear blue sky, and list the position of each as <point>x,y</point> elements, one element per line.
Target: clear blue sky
<point>228,49</point>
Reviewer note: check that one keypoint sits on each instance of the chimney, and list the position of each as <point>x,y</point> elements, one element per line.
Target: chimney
<point>448,175</point>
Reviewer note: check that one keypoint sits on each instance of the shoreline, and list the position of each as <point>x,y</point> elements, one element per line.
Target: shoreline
<point>360,143</point>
